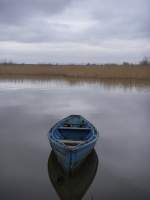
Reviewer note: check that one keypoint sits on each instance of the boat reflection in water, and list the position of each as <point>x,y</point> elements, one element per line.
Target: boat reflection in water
<point>74,186</point>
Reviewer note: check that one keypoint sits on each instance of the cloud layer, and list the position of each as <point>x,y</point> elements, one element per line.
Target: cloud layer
<point>75,31</point>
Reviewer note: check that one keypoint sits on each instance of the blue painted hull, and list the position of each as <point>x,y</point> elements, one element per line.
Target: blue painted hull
<point>70,157</point>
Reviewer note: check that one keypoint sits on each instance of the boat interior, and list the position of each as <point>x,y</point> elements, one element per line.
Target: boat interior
<point>73,132</point>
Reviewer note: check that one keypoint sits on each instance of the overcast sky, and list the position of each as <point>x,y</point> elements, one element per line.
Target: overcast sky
<point>74,31</point>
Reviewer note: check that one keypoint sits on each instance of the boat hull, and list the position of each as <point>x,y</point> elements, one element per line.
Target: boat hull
<point>82,137</point>
<point>70,159</point>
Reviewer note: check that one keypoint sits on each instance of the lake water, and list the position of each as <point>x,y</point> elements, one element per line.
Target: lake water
<point>118,169</point>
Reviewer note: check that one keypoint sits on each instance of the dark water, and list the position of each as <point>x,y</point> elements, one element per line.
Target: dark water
<point>119,168</point>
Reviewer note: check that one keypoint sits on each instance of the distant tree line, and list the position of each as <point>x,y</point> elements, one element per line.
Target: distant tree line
<point>144,61</point>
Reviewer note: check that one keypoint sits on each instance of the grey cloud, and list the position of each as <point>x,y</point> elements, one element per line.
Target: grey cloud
<point>123,19</point>
<point>18,11</point>
<point>80,24</point>
<point>114,19</point>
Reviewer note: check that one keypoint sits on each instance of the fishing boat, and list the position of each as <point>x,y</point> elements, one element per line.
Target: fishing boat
<point>72,139</point>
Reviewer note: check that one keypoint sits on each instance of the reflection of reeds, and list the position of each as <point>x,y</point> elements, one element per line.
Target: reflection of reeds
<point>108,83</point>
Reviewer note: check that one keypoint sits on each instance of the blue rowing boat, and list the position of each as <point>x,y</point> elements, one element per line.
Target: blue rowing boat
<point>72,139</point>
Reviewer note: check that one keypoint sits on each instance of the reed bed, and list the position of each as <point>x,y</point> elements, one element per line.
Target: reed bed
<point>77,71</point>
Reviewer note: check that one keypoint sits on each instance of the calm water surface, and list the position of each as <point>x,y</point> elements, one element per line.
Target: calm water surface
<point>118,169</point>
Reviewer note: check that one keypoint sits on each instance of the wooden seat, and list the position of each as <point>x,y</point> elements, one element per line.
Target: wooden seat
<point>72,142</point>
<point>73,128</point>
